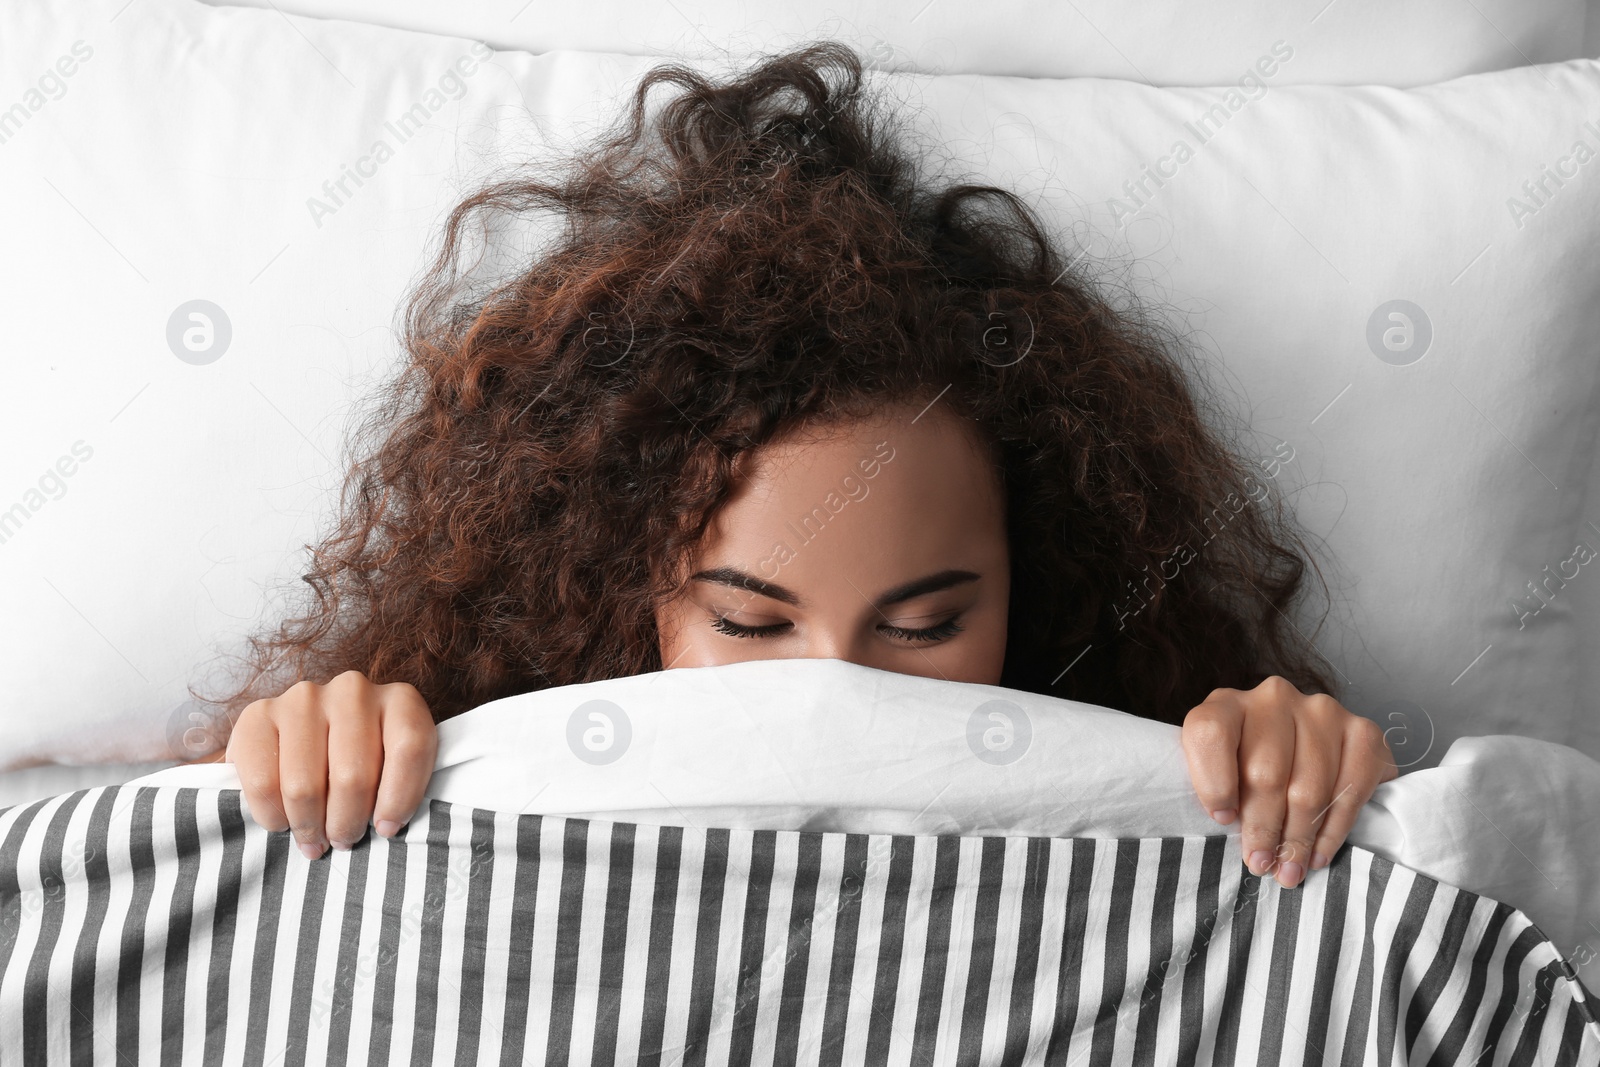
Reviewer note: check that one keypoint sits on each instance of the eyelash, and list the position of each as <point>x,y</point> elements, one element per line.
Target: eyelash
<point>949,628</point>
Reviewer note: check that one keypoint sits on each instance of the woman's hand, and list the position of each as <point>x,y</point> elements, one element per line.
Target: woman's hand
<point>1302,766</point>
<point>323,759</point>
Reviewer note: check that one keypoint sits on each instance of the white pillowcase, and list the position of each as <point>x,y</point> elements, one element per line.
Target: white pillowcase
<point>1168,42</point>
<point>830,745</point>
<point>149,502</point>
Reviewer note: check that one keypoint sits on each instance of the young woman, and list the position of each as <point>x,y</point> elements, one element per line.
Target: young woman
<point>770,393</point>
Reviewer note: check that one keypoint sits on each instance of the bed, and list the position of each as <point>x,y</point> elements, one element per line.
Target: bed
<point>1363,162</point>
<point>926,898</point>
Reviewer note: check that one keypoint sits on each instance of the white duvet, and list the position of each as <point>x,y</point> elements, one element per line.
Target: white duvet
<point>830,745</point>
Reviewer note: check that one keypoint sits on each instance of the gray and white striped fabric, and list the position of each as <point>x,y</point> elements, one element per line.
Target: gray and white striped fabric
<point>160,925</point>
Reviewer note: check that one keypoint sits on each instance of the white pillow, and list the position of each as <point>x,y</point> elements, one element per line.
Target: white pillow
<point>153,501</point>
<point>827,745</point>
<point>1171,42</point>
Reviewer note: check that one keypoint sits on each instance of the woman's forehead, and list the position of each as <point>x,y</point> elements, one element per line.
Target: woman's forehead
<point>903,480</point>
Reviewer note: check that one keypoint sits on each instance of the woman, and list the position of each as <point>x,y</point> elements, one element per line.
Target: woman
<point>648,446</point>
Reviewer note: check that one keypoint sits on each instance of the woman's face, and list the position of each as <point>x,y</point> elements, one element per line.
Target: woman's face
<point>880,541</point>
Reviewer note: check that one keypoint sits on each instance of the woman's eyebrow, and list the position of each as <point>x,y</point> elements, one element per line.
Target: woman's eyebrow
<point>739,579</point>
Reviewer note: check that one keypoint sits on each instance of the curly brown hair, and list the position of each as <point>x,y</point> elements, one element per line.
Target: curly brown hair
<point>766,252</point>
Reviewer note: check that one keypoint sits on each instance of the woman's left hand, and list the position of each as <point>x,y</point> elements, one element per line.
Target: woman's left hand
<point>1297,767</point>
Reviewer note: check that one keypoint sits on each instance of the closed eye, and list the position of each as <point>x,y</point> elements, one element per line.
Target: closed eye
<point>949,628</point>
<point>733,629</point>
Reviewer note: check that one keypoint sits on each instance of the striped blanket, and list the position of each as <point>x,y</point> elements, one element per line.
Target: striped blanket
<point>160,925</point>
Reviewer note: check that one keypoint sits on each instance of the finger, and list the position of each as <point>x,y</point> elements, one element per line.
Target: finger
<point>1319,738</point>
<point>1211,733</point>
<point>410,745</point>
<point>1365,761</point>
<point>1266,760</point>
<point>303,769</point>
<point>253,749</point>
<point>355,759</point>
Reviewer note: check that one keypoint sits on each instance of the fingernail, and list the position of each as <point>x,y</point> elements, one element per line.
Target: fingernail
<point>1318,861</point>
<point>1260,860</point>
<point>387,828</point>
<point>1224,816</point>
<point>342,846</point>
<point>309,850</point>
<point>1290,874</point>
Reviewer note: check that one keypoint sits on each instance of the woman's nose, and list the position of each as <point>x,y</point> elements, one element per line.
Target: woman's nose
<point>830,644</point>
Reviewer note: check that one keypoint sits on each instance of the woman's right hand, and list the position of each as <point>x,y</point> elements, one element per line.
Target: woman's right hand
<point>324,759</point>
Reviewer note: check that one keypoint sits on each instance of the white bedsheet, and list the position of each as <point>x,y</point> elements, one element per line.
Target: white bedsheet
<point>829,745</point>
<point>52,779</point>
